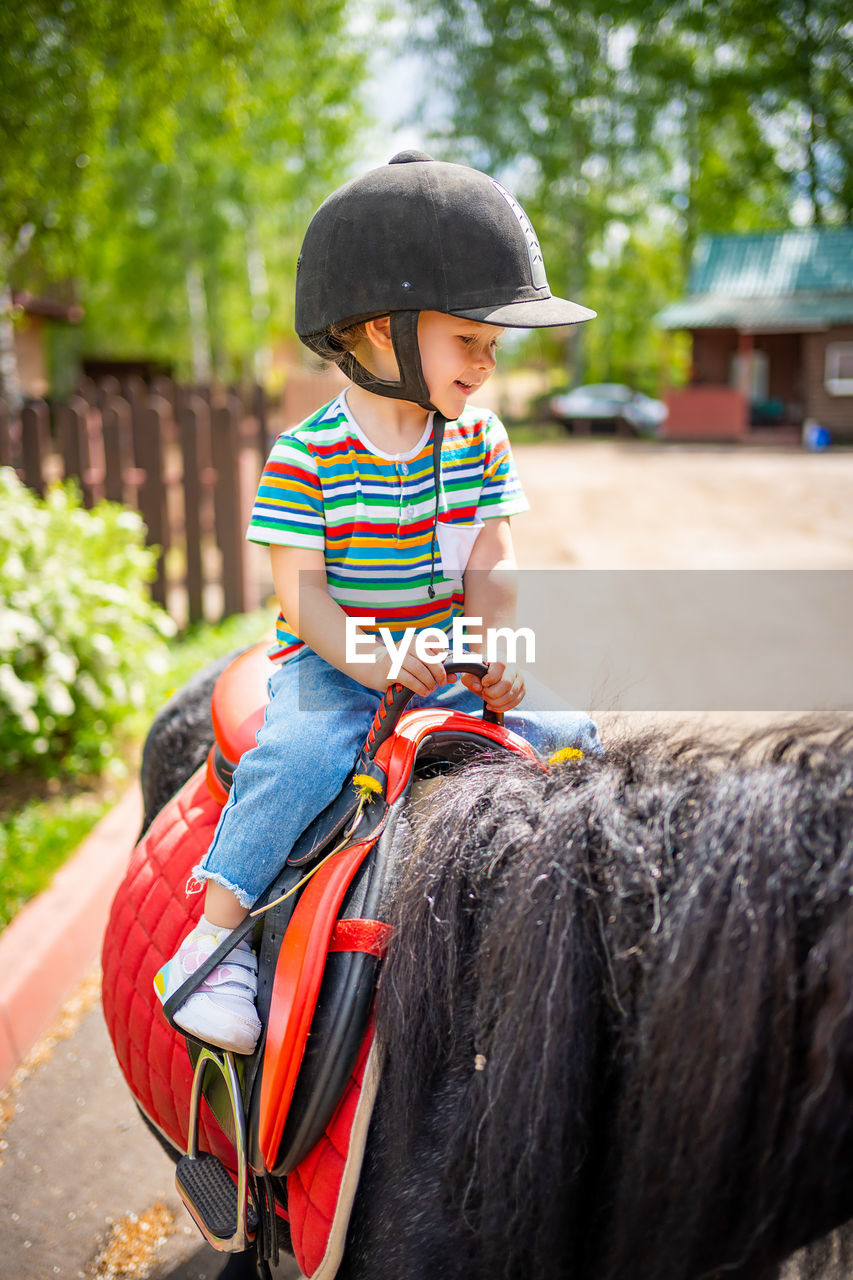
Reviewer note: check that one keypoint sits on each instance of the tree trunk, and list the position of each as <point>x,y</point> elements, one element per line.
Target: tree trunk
<point>814,179</point>
<point>10,381</point>
<point>256,270</point>
<point>10,377</point>
<point>575,356</point>
<point>693,156</point>
<point>199,331</point>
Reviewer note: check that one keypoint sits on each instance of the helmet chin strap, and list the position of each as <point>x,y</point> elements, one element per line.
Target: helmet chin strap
<point>439,422</point>
<point>411,384</point>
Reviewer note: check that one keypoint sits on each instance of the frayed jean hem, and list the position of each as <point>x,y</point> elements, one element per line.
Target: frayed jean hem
<point>245,899</point>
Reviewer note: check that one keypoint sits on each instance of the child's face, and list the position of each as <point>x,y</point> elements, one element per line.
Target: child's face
<point>457,357</point>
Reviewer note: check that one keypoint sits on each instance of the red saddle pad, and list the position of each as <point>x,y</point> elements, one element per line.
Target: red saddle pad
<point>150,915</point>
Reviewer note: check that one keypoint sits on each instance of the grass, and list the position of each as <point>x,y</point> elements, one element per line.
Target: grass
<point>43,822</point>
<point>36,840</point>
<point>204,642</point>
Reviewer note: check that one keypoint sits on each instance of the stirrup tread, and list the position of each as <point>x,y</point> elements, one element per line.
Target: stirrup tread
<point>210,1194</point>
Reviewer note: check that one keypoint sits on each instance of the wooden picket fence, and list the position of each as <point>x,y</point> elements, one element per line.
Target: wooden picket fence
<point>187,458</point>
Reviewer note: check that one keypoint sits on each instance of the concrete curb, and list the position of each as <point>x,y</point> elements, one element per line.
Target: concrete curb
<point>53,941</point>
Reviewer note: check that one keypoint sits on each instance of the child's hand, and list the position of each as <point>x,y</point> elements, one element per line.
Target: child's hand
<point>501,688</point>
<point>421,677</point>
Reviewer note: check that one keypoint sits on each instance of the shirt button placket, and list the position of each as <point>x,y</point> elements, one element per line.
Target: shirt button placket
<point>407,506</point>
<point>404,497</point>
<point>401,510</point>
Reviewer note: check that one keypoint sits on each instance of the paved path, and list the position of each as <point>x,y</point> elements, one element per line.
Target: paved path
<point>78,1163</point>
<point>53,941</point>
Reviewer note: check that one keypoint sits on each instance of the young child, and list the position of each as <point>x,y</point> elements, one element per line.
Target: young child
<point>407,278</point>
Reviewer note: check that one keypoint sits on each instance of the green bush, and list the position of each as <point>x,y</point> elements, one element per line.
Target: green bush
<point>79,636</point>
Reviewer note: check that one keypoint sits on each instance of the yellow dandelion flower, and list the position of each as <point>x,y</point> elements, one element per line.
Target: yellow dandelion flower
<point>565,754</point>
<point>369,787</point>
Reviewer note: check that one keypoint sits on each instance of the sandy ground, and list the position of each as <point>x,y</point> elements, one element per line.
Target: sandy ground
<point>605,505</point>
<point>600,504</point>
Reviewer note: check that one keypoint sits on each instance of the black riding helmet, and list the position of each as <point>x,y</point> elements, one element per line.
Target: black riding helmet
<point>420,235</point>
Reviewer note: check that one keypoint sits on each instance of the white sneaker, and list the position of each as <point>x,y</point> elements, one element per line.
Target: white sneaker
<point>222,1010</point>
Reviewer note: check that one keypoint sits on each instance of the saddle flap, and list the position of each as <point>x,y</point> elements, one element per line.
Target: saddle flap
<point>238,701</point>
<point>324,972</point>
<point>299,974</point>
<point>356,946</point>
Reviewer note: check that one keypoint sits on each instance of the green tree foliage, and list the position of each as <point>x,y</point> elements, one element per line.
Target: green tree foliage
<point>532,96</point>
<point>165,157</point>
<point>206,230</point>
<point>66,69</point>
<point>799,56</point>
<point>630,278</point>
<point>714,167</point>
<point>630,129</point>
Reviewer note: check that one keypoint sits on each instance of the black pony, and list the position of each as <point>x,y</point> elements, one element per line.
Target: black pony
<point>617,1015</point>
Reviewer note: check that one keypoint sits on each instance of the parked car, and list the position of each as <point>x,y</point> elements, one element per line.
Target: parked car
<point>609,406</point>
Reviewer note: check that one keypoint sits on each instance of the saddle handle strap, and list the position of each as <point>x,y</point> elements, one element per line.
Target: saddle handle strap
<point>397,697</point>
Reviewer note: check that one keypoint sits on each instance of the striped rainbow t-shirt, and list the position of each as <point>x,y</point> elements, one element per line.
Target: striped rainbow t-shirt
<point>325,486</point>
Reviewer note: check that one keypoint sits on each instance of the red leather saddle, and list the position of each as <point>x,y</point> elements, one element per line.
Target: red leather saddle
<point>318,949</point>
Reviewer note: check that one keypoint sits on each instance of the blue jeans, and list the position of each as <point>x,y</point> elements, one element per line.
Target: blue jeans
<point>315,723</point>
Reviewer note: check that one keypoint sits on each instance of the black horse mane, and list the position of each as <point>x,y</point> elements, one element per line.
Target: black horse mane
<point>617,1014</point>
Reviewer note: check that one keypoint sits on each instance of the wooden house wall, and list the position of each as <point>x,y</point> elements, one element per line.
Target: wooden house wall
<point>796,366</point>
<point>713,350</point>
<point>786,381</point>
<point>833,412</point>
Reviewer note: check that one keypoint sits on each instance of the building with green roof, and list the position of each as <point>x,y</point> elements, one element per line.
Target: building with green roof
<point>770,314</point>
